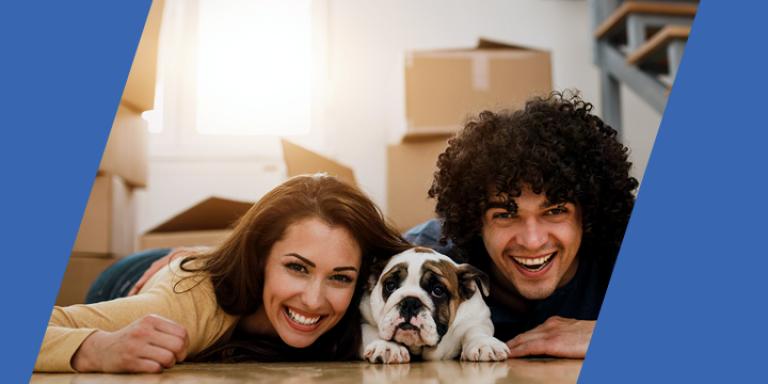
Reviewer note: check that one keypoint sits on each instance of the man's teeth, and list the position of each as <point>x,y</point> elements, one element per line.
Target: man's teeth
<point>301,319</point>
<point>534,263</point>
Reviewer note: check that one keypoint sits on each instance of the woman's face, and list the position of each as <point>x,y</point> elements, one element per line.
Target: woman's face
<point>309,280</point>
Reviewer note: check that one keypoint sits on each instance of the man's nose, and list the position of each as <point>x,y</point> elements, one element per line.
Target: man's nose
<point>534,235</point>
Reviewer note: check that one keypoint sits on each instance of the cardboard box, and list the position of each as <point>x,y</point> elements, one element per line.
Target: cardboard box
<point>126,151</point>
<point>81,272</point>
<point>108,225</point>
<point>444,87</point>
<point>410,168</point>
<point>139,92</point>
<point>208,222</point>
<point>299,160</point>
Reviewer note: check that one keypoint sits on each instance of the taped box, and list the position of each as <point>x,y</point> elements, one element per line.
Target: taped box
<point>444,87</point>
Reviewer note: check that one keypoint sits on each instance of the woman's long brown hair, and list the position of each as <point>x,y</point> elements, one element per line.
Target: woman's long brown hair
<point>236,268</point>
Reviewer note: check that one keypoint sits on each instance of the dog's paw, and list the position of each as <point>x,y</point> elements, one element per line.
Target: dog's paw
<point>386,352</point>
<point>485,349</point>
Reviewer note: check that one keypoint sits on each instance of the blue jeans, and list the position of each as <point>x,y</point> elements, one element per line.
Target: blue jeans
<point>119,278</point>
<point>428,234</point>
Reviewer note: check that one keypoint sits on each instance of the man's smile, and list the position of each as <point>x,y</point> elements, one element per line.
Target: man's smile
<point>534,264</point>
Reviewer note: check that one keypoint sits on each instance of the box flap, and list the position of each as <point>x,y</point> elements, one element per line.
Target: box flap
<point>483,44</point>
<point>300,161</point>
<point>209,214</point>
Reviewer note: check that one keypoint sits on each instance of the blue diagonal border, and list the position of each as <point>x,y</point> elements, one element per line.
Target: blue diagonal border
<point>687,301</point>
<point>63,66</point>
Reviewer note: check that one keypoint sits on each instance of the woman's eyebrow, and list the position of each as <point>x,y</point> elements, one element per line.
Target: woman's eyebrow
<point>311,264</point>
<point>302,258</point>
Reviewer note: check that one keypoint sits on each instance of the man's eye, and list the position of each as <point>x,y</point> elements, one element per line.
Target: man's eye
<point>557,211</point>
<point>297,267</point>
<point>503,215</point>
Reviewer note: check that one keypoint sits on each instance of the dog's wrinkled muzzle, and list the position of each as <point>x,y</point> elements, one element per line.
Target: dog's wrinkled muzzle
<point>410,308</point>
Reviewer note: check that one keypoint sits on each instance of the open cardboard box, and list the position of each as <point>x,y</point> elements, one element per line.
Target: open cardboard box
<point>205,223</point>
<point>444,87</point>
<point>210,221</point>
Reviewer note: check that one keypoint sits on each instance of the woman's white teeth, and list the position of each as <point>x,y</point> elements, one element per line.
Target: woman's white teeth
<point>302,319</point>
<point>534,263</point>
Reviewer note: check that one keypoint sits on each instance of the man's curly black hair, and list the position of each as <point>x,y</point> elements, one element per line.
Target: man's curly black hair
<point>555,146</point>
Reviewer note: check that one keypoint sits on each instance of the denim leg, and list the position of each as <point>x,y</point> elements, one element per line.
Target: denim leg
<point>119,278</point>
<point>427,234</point>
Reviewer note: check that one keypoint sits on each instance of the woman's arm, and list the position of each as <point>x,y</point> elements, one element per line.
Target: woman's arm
<point>191,305</point>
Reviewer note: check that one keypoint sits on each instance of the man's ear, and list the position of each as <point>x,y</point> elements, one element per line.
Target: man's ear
<point>471,279</point>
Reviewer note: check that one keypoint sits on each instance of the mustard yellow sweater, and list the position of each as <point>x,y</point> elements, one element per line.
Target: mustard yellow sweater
<point>191,303</point>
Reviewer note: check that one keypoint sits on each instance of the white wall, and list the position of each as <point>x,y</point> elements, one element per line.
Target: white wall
<point>367,41</point>
<point>361,109</point>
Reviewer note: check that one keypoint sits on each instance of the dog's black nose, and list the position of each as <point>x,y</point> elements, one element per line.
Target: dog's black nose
<point>409,307</point>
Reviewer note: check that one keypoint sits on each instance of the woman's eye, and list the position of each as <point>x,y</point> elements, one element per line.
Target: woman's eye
<point>390,286</point>
<point>296,267</point>
<point>342,278</point>
<point>438,291</point>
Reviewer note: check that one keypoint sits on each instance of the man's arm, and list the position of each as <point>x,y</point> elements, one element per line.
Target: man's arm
<point>557,337</point>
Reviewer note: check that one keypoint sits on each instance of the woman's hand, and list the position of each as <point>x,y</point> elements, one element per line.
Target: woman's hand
<point>149,344</point>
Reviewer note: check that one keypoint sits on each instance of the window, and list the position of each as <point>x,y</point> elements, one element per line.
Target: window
<point>235,75</point>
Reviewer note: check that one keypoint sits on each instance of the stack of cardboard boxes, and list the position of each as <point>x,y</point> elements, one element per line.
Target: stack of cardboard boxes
<point>107,229</point>
<point>442,89</point>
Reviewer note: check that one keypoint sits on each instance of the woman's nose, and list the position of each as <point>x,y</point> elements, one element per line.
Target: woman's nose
<point>313,295</point>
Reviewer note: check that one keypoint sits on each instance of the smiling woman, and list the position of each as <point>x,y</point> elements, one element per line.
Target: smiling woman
<point>279,288</point>
<point>303,299</point>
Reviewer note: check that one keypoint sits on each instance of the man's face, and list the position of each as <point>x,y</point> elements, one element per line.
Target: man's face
<point>534,248</point>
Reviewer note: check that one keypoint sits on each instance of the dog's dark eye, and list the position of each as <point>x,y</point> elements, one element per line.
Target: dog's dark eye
<point>438,291</point>
<point>390,286</point>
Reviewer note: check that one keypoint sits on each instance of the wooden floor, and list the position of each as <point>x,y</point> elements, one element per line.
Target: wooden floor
<point>551,371</point>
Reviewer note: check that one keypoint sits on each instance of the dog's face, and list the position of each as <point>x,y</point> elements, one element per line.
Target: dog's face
<point>418,294</point>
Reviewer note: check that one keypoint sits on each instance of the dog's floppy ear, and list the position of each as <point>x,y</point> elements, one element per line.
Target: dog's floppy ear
<point>470,279</point>
<point>373,277</point>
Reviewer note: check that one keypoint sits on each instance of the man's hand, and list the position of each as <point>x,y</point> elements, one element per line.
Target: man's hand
<point>558,337</point>
<point>149,344</point>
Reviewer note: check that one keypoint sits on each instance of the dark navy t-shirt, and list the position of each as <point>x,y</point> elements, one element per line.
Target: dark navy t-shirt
<point>579,299</point>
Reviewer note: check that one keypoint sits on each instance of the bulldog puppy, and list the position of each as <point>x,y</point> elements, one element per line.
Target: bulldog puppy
<point>424,303</point>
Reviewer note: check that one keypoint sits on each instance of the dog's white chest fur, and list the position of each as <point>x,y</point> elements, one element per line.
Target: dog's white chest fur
<point>425,304</point>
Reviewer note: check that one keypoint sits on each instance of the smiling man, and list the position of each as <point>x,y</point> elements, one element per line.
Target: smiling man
<point>538,198</point>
